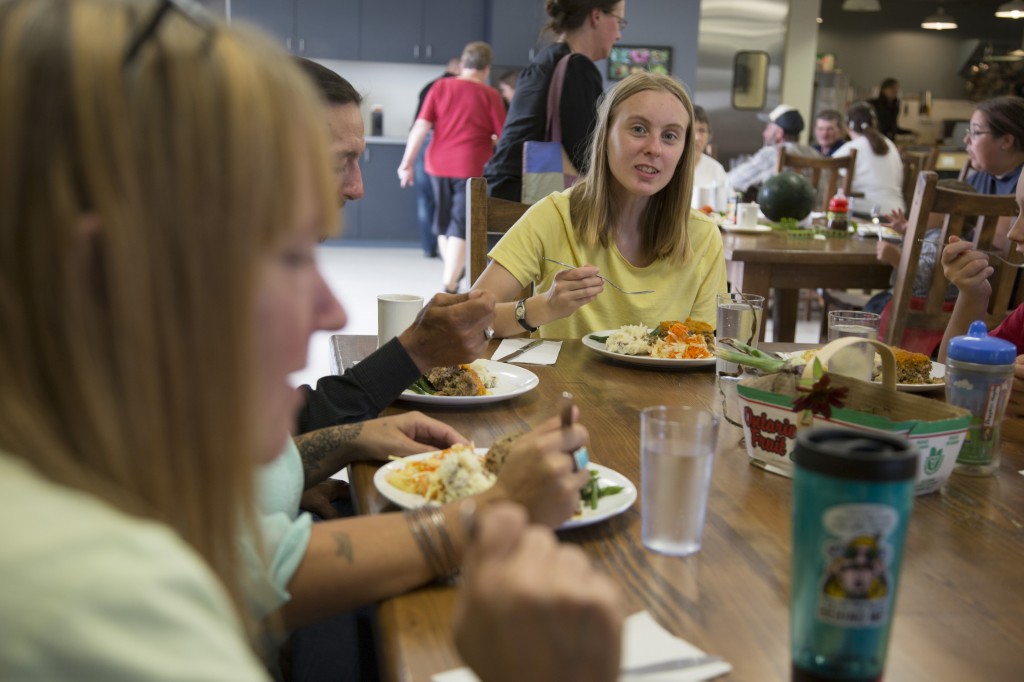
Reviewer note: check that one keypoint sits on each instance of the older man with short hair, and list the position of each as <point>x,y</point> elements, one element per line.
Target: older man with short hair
<point>784,125</point>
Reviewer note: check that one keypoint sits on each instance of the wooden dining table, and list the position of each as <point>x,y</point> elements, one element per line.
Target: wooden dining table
<point>960,607</point>
<point>774,262</point>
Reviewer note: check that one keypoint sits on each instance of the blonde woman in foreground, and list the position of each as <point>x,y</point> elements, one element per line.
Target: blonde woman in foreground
<point>164,181</point>
<point>628,219</point>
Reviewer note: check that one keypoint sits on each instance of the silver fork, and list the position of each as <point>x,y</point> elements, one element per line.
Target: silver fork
<point>1003,258</point>
<point>608,281</point>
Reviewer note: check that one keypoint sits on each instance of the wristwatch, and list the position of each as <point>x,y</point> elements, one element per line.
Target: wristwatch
<point>521,316</point>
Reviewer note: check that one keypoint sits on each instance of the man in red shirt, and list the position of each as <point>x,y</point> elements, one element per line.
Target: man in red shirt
<point>466,115</point>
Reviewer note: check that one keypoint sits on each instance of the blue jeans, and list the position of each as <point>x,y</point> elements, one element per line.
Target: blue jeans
<point>424,202</point>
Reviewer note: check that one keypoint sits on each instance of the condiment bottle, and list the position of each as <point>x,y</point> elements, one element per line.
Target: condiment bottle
<point>838,211</point>
<point>979,377</point>
<point>377,121</point>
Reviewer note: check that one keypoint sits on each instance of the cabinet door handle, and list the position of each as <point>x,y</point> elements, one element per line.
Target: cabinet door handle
<point>366,155</point>
<point>302,44</point>
<point>430,51</point>
<point>416,51</point>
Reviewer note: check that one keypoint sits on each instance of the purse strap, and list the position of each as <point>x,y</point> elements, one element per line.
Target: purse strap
<point>554,132</point>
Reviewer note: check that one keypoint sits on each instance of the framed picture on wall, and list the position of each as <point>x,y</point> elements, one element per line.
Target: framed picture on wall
<point>627,59</point>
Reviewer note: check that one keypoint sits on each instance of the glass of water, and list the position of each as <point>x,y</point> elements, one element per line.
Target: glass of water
<point>854,362</point>
<point>677,451</point>
<point>739,317</point>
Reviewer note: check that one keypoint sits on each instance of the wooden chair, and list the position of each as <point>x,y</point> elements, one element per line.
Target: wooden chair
<point>824,174</point>
<point>913,163</point>
<point>932,313</point>
<point>486,216</point>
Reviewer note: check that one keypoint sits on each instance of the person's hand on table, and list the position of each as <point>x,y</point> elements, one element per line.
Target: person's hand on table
<point>449,330</point>
<point>320,498</point>
<point>571,290</point>
<point>1015,408</point>
<point>533,609</point>
<point>409,433</point>
<point>538,472</point>
<point>968,270</point>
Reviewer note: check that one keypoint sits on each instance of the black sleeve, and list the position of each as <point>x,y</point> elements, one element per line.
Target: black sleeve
<point>578,109</point>
<point>361,392</point>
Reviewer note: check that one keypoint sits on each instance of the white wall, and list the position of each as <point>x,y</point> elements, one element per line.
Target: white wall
<point>393,86</point>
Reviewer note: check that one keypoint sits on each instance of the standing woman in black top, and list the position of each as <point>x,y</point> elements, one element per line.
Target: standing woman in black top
<point>587,29</point>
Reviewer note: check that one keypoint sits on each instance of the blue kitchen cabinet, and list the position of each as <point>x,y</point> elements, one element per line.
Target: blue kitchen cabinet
<point>318,29</point>
<point>419,31</point>
<point>515,31</point>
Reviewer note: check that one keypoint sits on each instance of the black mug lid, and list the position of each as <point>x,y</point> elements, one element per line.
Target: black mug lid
<point>858,455</point>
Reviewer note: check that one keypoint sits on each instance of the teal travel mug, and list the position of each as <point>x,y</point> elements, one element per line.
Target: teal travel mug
<point>852,495</point>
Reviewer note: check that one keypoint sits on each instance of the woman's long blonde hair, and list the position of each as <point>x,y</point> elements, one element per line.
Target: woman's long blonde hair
<point>139,200</point>
<point>592,203</point>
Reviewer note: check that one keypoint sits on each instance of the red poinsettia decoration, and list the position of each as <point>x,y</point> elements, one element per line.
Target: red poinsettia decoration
<point>821,397</point>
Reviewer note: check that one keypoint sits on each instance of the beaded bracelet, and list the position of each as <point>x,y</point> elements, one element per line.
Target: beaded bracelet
<point>431,534</point>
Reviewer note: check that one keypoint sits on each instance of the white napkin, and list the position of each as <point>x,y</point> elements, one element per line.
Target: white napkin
<point>644,642</point>
<point>544,354</point>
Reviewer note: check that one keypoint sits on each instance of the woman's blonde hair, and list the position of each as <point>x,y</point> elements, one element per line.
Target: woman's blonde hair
<point>139,201</point>
<point>592,203</point>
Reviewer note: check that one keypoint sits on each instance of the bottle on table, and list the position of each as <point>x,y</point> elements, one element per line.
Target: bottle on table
<point>838,211</point>
<point>979,378</point>
<point>377,121</point>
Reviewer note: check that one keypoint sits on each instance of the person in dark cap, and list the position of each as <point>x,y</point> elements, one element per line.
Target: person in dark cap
<point>784,126</point>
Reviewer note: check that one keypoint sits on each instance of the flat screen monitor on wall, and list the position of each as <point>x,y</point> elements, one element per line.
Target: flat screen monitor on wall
<point>627,59</point>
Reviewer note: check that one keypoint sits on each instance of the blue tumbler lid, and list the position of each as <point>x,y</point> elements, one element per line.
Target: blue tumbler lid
<point>856,455</point>
<point>978,347</point>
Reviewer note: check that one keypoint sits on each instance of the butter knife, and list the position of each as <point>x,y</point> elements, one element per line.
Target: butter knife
<point>530,346</point>
<point>672,664</point>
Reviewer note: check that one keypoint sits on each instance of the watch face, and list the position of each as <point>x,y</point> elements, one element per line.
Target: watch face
<point>521,310</point>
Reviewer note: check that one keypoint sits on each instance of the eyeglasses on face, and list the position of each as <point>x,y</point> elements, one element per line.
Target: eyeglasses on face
<point>622,22</point>
<point>190,9</point>
<point>978,133</point>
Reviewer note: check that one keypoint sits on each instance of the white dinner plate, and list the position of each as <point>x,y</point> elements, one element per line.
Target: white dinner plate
<point>756,229</point>
<point>938,372</point>
<point>607,507</point>
<point>678,363</point>
<point>510,381</point>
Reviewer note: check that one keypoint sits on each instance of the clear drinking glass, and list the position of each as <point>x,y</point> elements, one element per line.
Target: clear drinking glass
<point>853,362</point>
<point>677,450</point>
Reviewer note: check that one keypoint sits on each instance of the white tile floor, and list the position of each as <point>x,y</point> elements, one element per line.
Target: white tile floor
<point>357,274</point>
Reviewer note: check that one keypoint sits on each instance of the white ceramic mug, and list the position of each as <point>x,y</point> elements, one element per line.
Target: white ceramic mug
<point>747,215</point>
<point>395,312</point>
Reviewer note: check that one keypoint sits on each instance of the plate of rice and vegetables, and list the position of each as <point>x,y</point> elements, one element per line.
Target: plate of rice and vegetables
<point>672,343</point>
<point>462,470</point>
<point>481,381</point>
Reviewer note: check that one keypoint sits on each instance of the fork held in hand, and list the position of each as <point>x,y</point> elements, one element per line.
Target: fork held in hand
<point>1003,258</point>
<point>607,281</point>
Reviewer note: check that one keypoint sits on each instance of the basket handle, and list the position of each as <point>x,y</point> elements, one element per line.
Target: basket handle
<point>826,353</point>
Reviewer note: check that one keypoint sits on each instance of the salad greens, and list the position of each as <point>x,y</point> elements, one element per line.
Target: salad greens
<point>592,491</point>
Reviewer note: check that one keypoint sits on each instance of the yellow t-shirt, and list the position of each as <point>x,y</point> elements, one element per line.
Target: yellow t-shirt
<point>685,290</point>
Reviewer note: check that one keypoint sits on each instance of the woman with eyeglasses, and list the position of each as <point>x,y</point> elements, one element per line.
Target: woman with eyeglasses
<point>164,182</point>
<point>995,144</point>
<point>586,30</point>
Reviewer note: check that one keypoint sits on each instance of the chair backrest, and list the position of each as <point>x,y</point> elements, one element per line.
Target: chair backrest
<point>965,170</point>
<point>486,216</point>
<point>957,207</point>
<point>914,161</point>
<point>823,173</point>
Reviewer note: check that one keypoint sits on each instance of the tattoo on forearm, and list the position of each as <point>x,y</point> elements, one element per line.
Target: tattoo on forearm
<point>343,546</point>
<point>322,450</point>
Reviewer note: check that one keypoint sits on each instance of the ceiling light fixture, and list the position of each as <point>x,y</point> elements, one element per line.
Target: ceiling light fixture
<point>862,6</point>
<point>1011,10</point>
<point>940,21</point>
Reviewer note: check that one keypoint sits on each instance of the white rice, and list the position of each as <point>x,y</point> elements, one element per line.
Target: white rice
<point>630,339</point>
<point>463,474</point>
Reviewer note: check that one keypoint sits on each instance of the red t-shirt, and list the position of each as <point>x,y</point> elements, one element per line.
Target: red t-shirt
<point>1012,329</point>
<point>465,115</point>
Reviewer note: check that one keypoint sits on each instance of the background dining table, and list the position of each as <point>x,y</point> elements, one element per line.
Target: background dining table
<point>961,593</point>
<point>774,262</point>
